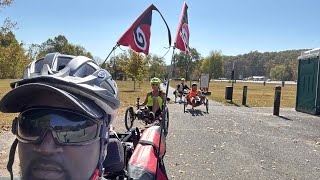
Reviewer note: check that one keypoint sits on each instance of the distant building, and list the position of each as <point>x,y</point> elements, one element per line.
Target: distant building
<point>258,78</point>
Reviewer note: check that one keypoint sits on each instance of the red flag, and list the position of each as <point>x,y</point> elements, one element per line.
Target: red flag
<point>183,34</point>
<point>137,37</point>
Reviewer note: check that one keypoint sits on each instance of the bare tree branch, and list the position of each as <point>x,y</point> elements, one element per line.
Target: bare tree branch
<point>7,26</point>
<point>4,3</point>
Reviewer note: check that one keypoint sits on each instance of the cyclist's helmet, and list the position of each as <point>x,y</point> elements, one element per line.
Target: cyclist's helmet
<point>68,82</point>
<point>155,80</point>
<point>64,81</point>
<point>182,79</point>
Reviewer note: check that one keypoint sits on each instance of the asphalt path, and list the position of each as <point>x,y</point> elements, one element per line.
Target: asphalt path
<point>231,143</point>
<point>241,143</point>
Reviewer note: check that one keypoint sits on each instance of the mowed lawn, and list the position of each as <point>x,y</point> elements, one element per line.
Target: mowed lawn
<point>5,118</point>
<point>128,96</point>
<point>258,95</point>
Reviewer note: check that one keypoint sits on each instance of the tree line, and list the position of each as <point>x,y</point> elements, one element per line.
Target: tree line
<point>281,65</point>
<point>15,56</point>
<point>274,65</point>
<point>128,64</point>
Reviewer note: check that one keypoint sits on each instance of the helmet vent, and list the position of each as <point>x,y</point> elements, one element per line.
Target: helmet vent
<point>84,70</point>
<point>38,66</point>
<point>107,86</point>
<point>61,63</point>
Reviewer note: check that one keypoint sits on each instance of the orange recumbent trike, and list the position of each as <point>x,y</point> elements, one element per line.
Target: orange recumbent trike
<point>199,99</point>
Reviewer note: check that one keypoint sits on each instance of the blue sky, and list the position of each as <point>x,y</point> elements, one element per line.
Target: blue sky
<point>231,26</point>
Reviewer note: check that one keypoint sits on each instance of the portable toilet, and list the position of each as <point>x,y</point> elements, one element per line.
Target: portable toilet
<point>308,92</point>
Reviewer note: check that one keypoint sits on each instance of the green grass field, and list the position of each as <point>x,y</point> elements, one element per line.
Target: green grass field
<point>128,96</point>
<point>5,118</point>
<point>258,95</point>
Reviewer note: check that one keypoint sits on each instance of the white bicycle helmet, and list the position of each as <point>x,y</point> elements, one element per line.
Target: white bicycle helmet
<point>75,77</point>
<point>69,82</point>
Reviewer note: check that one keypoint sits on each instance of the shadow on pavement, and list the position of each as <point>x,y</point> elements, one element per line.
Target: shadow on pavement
<point>285,118</point>
<point>235,104</point>
<point>195,112</point>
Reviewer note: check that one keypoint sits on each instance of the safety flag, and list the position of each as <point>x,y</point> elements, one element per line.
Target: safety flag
<point>137,37</point>
<point>183,34</point>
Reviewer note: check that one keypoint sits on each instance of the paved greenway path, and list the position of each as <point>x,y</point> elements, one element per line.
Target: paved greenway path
<point>231,143</point>
<point>242,143</point>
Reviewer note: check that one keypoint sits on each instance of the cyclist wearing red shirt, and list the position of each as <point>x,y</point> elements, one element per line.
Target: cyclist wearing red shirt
<point>193,96</point>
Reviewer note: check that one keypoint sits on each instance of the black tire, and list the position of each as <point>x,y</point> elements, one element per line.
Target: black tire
<point>207,106</point>
<point>184,106</point>
<point>129,118</point>
<point>166,123</point>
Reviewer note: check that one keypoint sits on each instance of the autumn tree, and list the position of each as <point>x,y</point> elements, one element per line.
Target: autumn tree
<point>117,65</point>
<point>32,51</point>
<point>185,63</point>
<point>213,65</point>
<point>61,44</point>
<point>12,57</point>
<point>135,67</point>
<point>196,70</point>
<point>279,73</point>
<point>157,66</point>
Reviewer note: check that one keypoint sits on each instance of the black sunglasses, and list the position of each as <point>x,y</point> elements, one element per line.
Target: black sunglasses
<point>68,128</point>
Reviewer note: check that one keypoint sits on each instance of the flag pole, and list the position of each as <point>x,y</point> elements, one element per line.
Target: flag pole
<point>164,105</point>
<point>104,62</point>
<point>172,59</point>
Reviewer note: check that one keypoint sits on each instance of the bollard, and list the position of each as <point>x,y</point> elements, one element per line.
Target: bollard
<point>277,97</point>
<point>244,95</point>
<point>282,83</point>
<point>229,92</point>
<point>264,83</point>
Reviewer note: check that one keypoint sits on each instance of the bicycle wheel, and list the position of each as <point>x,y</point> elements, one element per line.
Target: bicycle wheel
<point>129,118</point>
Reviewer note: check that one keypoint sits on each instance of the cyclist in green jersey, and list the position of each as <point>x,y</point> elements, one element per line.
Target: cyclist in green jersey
<point>155,98</point>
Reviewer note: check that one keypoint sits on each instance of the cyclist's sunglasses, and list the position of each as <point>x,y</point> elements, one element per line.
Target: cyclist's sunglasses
<point>68,128</point>
<point>154,84</point>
